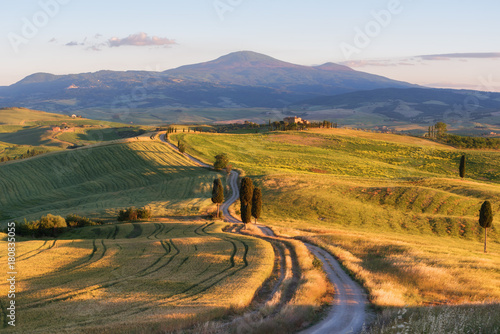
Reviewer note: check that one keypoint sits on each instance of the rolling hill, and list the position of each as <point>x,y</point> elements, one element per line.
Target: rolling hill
<point>413,105</point>
<point>101,180</point>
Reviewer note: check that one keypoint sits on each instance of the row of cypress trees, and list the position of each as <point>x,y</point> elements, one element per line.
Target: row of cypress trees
<point>250,199</point>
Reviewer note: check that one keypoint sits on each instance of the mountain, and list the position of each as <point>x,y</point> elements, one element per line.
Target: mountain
<point>237,80</point>
<point>246,68</point>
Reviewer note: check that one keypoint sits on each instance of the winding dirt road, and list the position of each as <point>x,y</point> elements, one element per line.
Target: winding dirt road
<point>348,312</point>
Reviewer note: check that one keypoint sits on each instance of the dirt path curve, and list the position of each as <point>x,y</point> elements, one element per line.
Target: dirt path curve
<point>348,312</point>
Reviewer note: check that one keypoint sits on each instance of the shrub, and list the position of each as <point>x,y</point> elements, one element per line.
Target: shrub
<point>221,161</point>
<point>143,213</point>
<point>134,214</point>
<point>51,221</point>
<point>78,221</point>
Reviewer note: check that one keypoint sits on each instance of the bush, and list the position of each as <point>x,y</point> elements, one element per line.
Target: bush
<point>78,221</point>
<point>221,161</point>
<point>49,226</point>
<point>143,213</point>
<point>51,221</point>
<point>134,214</point>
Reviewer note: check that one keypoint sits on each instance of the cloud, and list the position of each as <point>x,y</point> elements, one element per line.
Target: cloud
<point>53,40</point>
<point>448,56</point>
<point>73,43</point>
<point>379,63</point>
<point>140,39</point>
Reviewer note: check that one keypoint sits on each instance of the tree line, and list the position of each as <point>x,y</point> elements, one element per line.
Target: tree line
<point>52,226</point>
<point>28,154</point>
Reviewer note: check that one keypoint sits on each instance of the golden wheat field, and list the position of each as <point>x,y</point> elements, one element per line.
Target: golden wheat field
<point>140,277</point>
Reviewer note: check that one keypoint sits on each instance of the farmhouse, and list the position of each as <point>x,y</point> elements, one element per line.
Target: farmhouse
<point>296,120</point>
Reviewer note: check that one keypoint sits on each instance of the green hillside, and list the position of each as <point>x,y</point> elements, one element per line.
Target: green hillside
<point>101,180</point>
<point>24,129</point>
<point>391,208</point>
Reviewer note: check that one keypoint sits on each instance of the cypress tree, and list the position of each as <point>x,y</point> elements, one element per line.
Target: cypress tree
<point>246,194</point>
<point>485,219</point>
<point>217,194</point>
<point>256,204</point>
<point>462,167</point>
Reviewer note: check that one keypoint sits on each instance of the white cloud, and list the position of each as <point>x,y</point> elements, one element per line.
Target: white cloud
<point>140,39</point>
<point>448,56</point>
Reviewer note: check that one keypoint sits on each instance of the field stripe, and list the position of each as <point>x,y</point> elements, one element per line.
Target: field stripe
<point>43,250</point>
<point>136,231</point>
<point>34,250</point>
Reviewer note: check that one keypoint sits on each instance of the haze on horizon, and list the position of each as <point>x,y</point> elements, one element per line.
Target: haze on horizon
<point>436,44</point>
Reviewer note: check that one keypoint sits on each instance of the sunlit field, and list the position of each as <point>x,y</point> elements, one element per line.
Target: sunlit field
<point>141,277</point>
<point>392,208</point>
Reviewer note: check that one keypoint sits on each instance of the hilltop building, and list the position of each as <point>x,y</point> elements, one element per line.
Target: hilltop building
<point>295,120</point>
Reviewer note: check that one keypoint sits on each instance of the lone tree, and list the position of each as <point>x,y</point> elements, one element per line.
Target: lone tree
<point>181,146</point>
<point>256,204</point>
<point>462,167</point>
<point>218,194</point>
<point>246,195</point>
<point>485,219</point>
<point>442,129</point>
<point>221,161</point>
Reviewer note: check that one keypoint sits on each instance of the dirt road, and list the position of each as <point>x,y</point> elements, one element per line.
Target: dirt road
<point>348,312</point>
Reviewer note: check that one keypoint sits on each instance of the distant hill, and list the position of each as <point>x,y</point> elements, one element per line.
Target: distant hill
<point>238,80</point>
<point>414,105</point>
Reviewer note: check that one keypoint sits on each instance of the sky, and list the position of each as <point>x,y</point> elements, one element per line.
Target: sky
<point>439,43</point>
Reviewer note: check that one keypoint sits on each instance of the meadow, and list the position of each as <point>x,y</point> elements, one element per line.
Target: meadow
<point>89,182</point>
<point>136,277</point>
<point>392,208</point>
<point>24,129</point>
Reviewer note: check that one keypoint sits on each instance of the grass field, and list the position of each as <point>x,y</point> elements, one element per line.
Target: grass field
<point>101,180</point>
<point>22,129</point>
<point>140,277</point>
<point>391,207</point>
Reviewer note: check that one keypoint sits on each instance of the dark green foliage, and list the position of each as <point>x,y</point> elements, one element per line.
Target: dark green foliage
<point>485,219</point>
<point>134,214</point>
<point>78,221</point>
<point>256,203</point>
<point>442,129</point>
<point>47,226</point>
<point>217,194</point>
<point>473,142</point>
<point>246,195</point>
<point>246,213</point>
<point>486,215</point>
<point>143,213</point>
<point>462,167</point>
<point>246,191</point>
<point>221,161</point>
<point>181,146</point>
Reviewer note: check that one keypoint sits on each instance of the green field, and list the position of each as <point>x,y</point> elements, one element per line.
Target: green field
<point>24,129</point>
<point>140,277</point>
<point>101,180</point>
<point>392,208</point>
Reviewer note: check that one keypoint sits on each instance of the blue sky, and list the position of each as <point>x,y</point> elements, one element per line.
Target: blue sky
<point>383,37</point>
